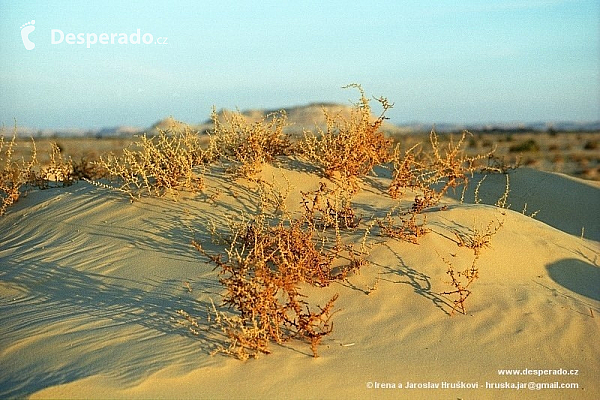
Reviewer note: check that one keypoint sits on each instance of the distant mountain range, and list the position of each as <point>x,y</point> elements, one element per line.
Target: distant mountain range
<point>310,116</point>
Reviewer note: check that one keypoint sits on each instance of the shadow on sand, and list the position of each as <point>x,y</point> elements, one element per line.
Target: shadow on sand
<point>578,276</point>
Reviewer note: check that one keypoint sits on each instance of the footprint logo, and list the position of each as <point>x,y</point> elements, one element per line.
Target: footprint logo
<point>26,29</point>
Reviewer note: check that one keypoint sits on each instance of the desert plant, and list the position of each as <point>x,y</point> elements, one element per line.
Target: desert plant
<point>410,171</point>
<point>14,175</point>
<point>249,145</point>
<point>350,148</point>
<point>262,272</point>
<point>429,176</point>
<point>159,165</point>
<point>86,168</point>
<point>434,173</point>
<point>58,170</point>
<point>405,225</point>
<point>451,167</point>
<point>269,257</point>
<point>313,326</point>
<point>502,201</point>
<point>272,196</point>
<point>501,164</point>
<point>329,208</point>
<point>461,281</point>
<point>476,240</point>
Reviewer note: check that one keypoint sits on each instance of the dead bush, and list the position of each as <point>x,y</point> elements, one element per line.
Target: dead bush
<point>14,174</point>
<point>159,165</point>
<point>249,145</point>
<point>350,148</point>
<point>328,208</point>
<point>461,281</point>
<point>262,272</point>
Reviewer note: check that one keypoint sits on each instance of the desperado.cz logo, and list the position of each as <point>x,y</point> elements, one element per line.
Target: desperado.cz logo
<point>58,37</point>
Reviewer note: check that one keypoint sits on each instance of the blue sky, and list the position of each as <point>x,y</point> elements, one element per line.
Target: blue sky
<point>438,61</point>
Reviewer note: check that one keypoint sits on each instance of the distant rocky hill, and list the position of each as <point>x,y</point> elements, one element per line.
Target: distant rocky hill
<point>115,131</point>
<point>299,118</point>
<point>310,116</point>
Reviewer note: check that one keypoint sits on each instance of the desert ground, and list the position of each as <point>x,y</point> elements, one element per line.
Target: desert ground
<point>106,296</point>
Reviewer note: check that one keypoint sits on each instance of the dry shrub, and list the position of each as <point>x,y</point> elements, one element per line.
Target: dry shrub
<point>461,281</point>
<point>476,240</point>
<point>451,166</point>
<point>313,326</point>
<point>502,201</point>
<point>436,172</point>
<point>407,225</point>
<point>328,208</point>
<point>18,174</point>
<point>86,168</point>
<point>159,165</point>
<point>410,171</point>
<point>262,272</point>
<point>350,148</point>
<point>249,145</point>
<point>273,197</point>
<point>430,175</point>
<point>266,262</point>
<point>13,174</point>
<point>59,170</point>
<point>188,321</point>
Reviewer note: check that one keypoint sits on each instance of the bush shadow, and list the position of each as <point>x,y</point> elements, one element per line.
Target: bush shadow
<point>577,276</point>
<point>419,281</point>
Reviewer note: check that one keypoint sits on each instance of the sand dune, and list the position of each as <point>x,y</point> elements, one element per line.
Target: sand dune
<point>90,285</point>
